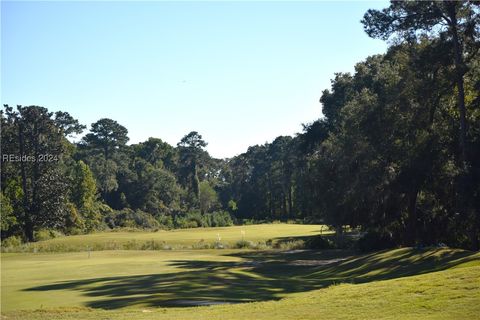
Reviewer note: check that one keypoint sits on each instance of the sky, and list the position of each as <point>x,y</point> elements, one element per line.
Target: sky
<point>239,73</point>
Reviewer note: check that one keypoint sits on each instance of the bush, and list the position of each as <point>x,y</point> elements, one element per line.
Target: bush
<point>127,218</point>
<point>46,234</point>
<point>291,245</point>
<point>319,242</point>
<point>219,219</point>
<point>247,222</point>
<point>152,245</point>
<point>219,245</point>
<point>375,240</point>
<point>191,219</point>
<point>244,244</point>
<point>261,246</point>
<point>184,223</point>
<point>165,222</point>
<point>202,244</point>
<point>195,219</point>
<point>11,242</point>
<point>75,231</point>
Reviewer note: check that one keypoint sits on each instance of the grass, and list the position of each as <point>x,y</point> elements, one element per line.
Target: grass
<point>396,284</point>
<point>198,238</point>
<point>452,294</point>
<point>431,283</point>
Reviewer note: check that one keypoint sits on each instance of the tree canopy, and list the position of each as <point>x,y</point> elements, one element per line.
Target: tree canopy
<point>395,154</point>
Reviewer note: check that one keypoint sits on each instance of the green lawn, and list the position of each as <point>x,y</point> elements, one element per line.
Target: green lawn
<point>396,284</point>
<point>180,238</point>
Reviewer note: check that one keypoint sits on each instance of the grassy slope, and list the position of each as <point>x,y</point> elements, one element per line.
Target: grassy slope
<point>185,237</point>
<point>451,294</point>
<point>398,284</point>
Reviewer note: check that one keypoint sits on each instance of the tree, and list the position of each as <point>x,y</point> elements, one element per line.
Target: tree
<point>8,221</point>
<point>192,141</point>
<point>105,172</point>
<point>208,198</point>
<point>191,150</point>
<point>36,143</point>
<point>68,124</point>
<point>281,167</point>
<point>108,135</point>
<point>153,190</point>
<point>158,153</point>
<point>456,25</point>
<point>84,195</point>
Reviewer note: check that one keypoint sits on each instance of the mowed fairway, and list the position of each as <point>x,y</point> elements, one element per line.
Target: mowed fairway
<point>436,283</point>
<point>182,238</point>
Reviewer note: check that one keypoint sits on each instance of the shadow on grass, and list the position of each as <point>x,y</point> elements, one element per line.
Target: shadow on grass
<point>259,276</point>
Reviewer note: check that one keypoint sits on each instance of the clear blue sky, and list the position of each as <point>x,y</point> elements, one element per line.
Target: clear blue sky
<point>238,73</point>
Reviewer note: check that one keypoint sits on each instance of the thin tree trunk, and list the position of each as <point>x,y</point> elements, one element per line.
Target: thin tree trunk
<point>35,176</point>
<point>290,205</point>
<point>460,98</point>
<point>460,70</point>
<point>412,230</point>
<point>28,223</point>
<point>339,235</point>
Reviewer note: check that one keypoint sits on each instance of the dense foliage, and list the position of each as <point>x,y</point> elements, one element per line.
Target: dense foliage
<point>396,153</point>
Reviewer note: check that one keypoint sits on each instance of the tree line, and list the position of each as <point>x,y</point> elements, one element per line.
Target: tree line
<point>396,153</point>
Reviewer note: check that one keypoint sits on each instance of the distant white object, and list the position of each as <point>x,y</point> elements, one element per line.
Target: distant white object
<point>218,237</point>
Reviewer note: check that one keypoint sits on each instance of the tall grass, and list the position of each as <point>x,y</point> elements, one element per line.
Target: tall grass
<point>149,245</point>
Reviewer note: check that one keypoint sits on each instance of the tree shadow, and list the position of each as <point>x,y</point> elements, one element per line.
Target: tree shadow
<point>345,266</point>
<point>259,276</point>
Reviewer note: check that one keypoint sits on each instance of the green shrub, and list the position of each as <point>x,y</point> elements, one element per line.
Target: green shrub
<point>184,223</point>
<point>202,244</point>
<point>11,242</point>
<point>247,222</point>
<point>165,222</point>
<point>188,220</point>
<point>220,219</point>
<point>152,245</point>
<point>291,245</point>
<point>75,231</point>
<point>262,246</point>
<point>127,218</point>
<point>46,234</point>
<point>194,219</point>
<point>244,244</point>
<point>217,219</point>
